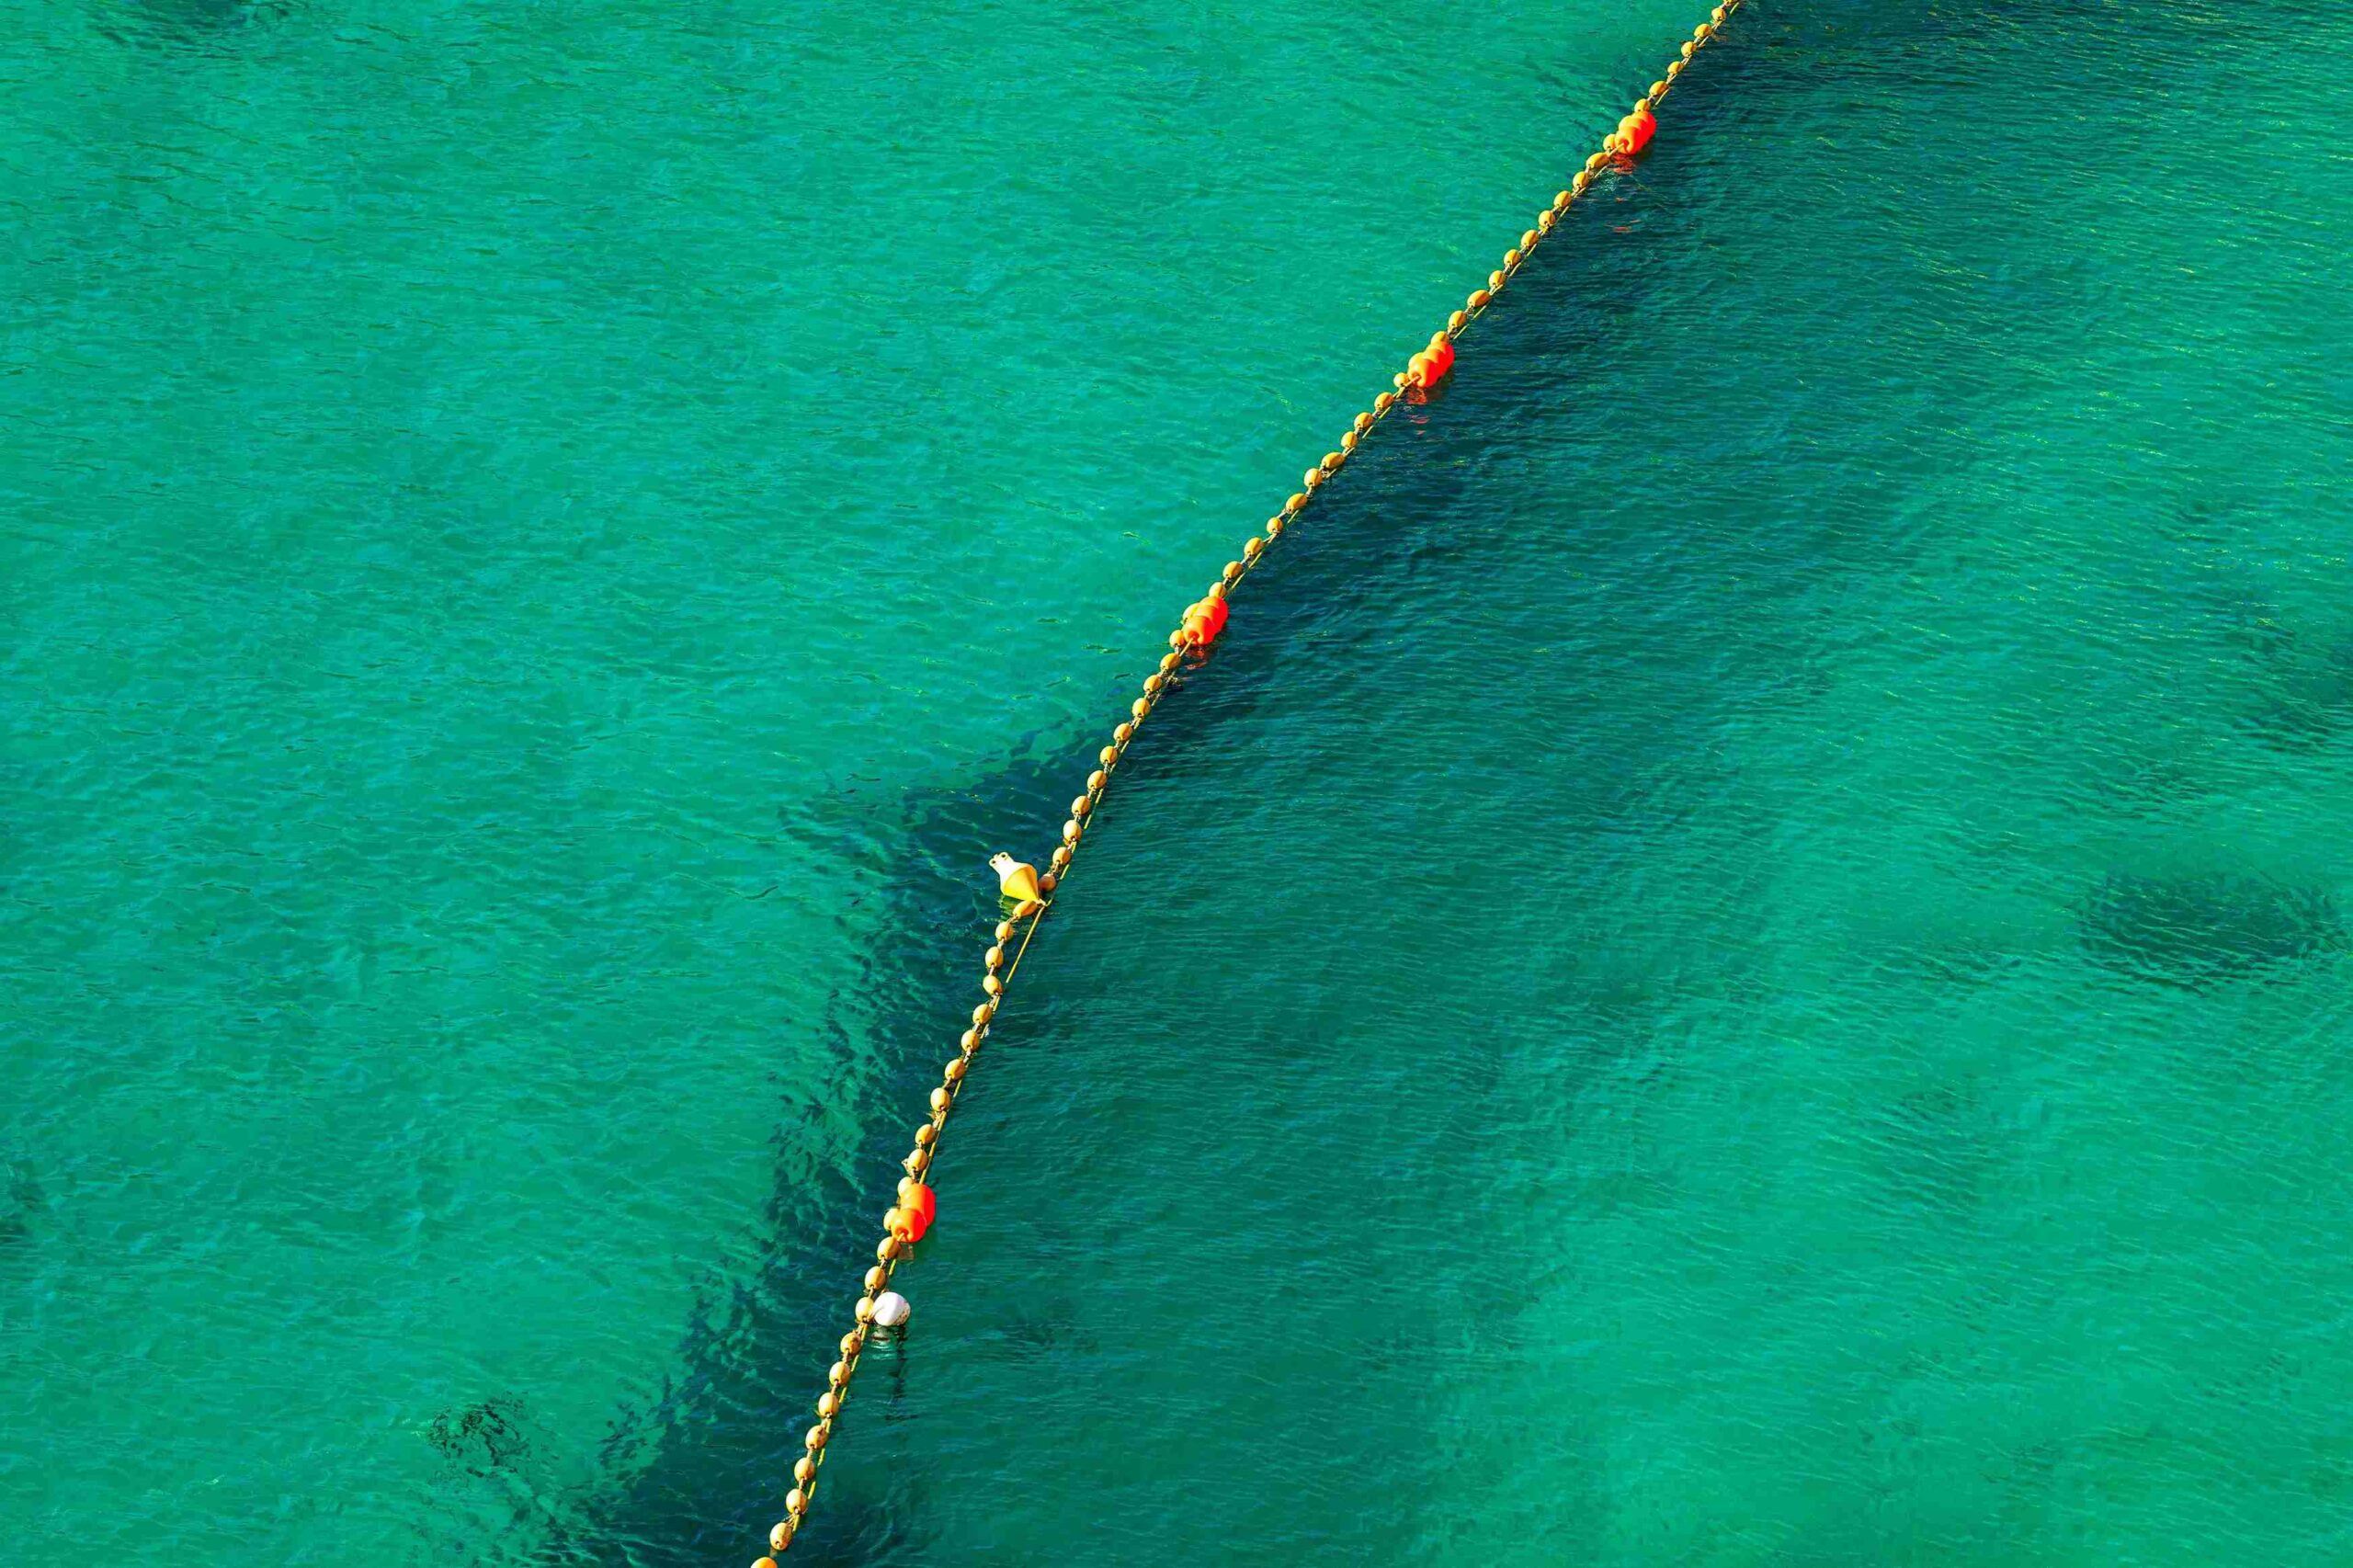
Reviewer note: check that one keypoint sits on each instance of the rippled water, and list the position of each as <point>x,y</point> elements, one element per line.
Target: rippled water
<point>1741,959</point>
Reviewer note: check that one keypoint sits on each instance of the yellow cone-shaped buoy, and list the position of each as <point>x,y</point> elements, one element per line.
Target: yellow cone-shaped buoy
<point>1016,880</point>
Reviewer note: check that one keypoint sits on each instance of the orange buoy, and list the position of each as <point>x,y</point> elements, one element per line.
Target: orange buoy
<point>1429,366</point>
<point>912,1217</point>
<point>1635,132</point>
<point>1205,620</point>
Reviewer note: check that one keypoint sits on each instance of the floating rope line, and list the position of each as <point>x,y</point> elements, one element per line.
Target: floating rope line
<point>911,1215</point>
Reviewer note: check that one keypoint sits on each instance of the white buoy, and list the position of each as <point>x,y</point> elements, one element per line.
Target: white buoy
<point>891,1310</point>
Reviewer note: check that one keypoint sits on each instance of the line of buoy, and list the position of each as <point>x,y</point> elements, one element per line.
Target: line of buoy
<point>1028,894</point>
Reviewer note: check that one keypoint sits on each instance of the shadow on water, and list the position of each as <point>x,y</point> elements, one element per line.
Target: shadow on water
<point>204,26</point>
<point>699,1476</point>
<point>2306,701</point>
<point>702,1473</point>
<point>707,1465</point>
<point>22,1203</point>
<point>2199,931</point>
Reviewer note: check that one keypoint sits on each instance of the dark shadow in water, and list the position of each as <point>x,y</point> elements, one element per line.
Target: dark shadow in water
<point>1934,1146</point>
<point>22,1200</point>
<point>482,1437</point>
<point>206,27</point>
<point>704,1469</point>
<point>708,1462</point>
<point>2307,704</point>
<point>2200,931</point>
<point>707,1465</point>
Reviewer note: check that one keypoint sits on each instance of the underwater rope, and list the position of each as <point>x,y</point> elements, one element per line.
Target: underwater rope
<point>1203,621</point>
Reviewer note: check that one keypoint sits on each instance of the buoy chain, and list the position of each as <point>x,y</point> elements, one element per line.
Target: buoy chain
<point>1203,621</point>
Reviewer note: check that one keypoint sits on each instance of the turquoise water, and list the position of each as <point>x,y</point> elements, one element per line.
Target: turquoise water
<point>1740,960</point>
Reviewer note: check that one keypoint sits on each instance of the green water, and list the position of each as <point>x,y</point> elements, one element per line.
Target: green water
<point>1741,958</point>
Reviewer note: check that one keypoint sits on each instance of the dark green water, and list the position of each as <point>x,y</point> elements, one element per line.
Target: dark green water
<point>1740,960</point>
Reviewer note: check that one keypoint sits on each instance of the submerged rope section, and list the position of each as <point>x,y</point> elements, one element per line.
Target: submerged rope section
<point>1202,625</point>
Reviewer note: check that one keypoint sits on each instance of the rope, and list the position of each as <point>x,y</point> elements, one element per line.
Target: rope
<point>1633,134</point>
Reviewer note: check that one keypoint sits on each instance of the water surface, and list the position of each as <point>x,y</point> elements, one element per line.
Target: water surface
<point>1740,960</point>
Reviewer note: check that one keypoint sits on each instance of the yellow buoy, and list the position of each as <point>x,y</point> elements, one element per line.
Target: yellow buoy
<point>1015,879</point>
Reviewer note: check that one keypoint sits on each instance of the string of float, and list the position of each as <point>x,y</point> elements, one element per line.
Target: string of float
<point>910,1215</point>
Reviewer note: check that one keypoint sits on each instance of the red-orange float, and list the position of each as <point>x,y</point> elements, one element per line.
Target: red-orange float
<point>1440,354</point>
<point>911,1216</point>
<point>1205,620</point>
